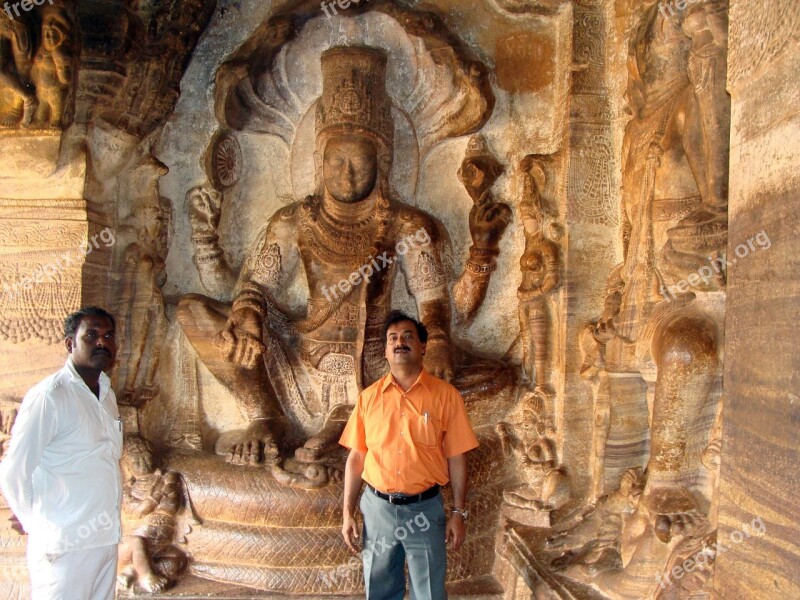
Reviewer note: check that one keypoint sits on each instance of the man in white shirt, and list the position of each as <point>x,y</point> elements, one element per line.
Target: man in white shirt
<point>61,474</point>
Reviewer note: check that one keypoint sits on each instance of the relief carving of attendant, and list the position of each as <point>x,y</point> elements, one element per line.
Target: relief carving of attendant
<point>16,54</point>
<point>674,219</point>
<point>540,264</point>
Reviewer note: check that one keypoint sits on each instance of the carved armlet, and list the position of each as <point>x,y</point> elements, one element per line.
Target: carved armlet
<point>251,299</point>
<point>482,260</point>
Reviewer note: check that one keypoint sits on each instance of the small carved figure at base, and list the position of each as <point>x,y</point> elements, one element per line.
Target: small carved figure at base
<point>151,501</point>
<point>545,486</point>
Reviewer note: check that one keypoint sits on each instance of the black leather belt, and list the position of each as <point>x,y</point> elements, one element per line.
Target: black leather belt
<point>402,499</point>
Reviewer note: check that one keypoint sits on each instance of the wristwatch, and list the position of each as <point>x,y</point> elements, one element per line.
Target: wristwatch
<point>461,511</point>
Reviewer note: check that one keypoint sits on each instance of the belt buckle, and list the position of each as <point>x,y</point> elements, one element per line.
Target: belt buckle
<point>393,497</point>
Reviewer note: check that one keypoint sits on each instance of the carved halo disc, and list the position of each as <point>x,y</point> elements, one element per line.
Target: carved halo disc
<point>225,161</point>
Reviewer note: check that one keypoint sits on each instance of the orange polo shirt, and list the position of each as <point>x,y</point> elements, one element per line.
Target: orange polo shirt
<point>408,436</point>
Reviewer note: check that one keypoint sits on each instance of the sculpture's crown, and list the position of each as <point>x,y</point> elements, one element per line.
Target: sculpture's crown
<point>477,147</point>
<point>354,98</point>
<point>478,152</point>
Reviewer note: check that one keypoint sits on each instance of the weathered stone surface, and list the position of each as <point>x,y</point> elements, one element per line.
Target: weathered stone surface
<point>759,484</point>
<point>548,185</point>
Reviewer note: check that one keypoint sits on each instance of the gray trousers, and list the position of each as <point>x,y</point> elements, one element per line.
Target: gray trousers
<point>395,534</point>
<point>77,575</point>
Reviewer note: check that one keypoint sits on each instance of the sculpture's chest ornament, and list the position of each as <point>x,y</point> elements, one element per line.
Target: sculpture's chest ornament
<point>343,245</point>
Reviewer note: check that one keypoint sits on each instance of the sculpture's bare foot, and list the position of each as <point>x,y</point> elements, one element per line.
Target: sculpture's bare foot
<point>294,473</point>
<point>10,121</point>
<point>321,444</point>
<point>152,583</point>
<point>675,511</point>
<point>256,446</point>
<point>29,106</point>
<point>127,576</point>
<point>669,526</point>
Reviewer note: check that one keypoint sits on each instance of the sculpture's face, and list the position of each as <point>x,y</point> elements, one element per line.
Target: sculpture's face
<point>350,167</point>
<point>94,346</point>
<point>51,36</point>
<point>141,463</point>
<point>472,176</point>
<point>403,346</point>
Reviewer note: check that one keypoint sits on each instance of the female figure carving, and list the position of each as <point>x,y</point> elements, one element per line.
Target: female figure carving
<point>540,265</point>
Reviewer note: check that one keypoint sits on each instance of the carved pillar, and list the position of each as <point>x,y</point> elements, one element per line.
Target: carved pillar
<point>593,217</point>
<point>759,487</point>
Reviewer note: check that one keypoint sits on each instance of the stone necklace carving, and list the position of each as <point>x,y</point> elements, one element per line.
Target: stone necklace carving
<point>335,243</point>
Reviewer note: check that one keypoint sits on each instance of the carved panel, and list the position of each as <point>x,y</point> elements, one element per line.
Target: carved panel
<point>759,36</point>
<point>39,55</point>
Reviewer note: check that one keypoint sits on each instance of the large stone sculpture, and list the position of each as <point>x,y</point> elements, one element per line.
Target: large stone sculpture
<point>674,200</point>
<point>352,239</point>
<point>296,376</point>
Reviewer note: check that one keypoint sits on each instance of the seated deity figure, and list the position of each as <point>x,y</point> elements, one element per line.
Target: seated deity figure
<point>296,377</point>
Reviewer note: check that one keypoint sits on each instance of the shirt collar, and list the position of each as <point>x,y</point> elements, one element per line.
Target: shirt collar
<point>105,381</point>
<point>424,379</point>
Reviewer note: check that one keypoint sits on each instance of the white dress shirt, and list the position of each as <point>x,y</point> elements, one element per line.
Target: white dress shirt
<point>61,474</point>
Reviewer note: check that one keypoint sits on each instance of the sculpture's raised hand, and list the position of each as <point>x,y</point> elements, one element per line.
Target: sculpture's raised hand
<point>488,221</point>
<point>205,210</point>
<point>240,341</point>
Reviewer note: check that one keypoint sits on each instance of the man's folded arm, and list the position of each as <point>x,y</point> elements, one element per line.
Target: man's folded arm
<point>33,430</point>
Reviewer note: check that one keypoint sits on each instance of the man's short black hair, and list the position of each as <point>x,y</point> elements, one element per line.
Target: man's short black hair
<point>397,316</point>
<point>73,321</point>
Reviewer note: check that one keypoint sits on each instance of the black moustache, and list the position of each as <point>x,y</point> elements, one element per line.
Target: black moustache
<point>106,352</point>
<point>402,348</point>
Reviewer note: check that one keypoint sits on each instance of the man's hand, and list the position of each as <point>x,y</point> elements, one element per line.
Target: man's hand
<point>350,533</point>
<point>352,485</point>
<point>240,341</point>
<point>439,359</point>
<point>456,531</point>
<point>16,525</point>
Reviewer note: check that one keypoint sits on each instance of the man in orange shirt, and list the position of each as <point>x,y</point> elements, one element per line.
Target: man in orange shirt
<point>407,435</point>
